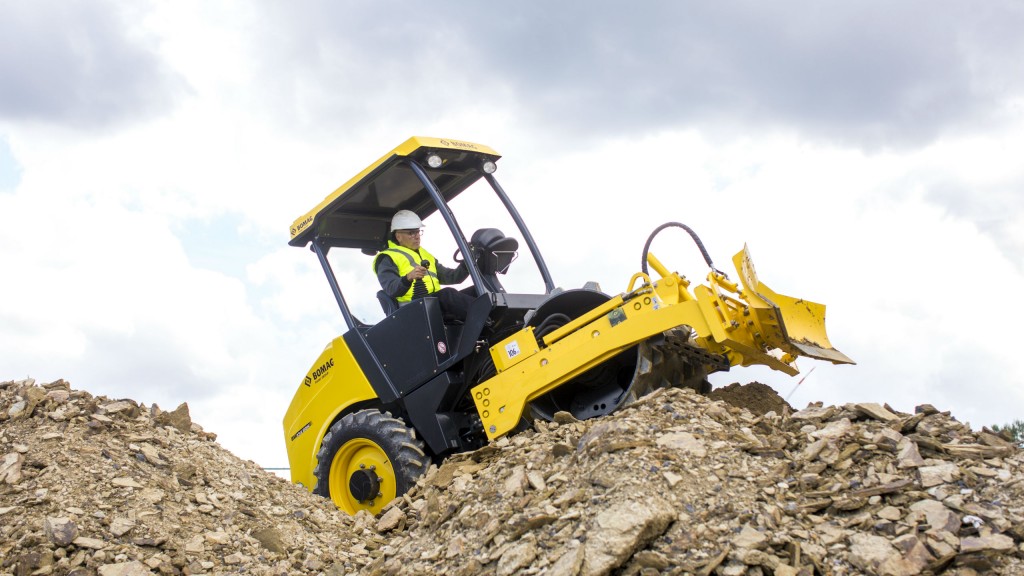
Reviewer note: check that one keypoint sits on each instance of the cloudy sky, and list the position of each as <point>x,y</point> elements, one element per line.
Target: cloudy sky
<point>153,156</point>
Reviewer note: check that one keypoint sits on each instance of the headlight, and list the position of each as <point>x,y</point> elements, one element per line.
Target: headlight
<point>489,167</point>
<point>434,161</point>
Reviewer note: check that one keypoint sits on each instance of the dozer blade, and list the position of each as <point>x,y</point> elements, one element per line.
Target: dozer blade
<point>794,325</point>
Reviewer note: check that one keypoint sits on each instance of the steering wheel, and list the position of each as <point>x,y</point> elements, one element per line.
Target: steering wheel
<point>457,255</point>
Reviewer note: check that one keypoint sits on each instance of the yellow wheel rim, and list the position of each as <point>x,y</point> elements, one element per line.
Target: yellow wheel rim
<point>360,456</point>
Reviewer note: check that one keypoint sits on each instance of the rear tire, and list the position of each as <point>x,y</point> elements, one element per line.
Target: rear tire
<point>367,459</point>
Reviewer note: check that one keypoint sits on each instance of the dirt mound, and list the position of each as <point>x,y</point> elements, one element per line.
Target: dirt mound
<point>756,397</point>
<point>90,485</point>
<point>676,483</point>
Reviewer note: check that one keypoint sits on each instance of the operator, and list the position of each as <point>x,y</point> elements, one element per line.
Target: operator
<point>407,272</point>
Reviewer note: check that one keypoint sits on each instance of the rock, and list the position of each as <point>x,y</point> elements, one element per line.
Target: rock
<point>121,526</point>
<point>683,442</point>
<point>152,455</point>
<point>178,419</point>
<point>786,570</point>
<point>876,411</point>
<point>814,413</point>
<point>869,552</point>
<point>908,455</point>
<point>85,542</point>
<point>734,568</point>
<point>196,545</point>
<point>60,531</point>
<point>152,495</point>
<point>18,410</point>
<point>563,417</point>
<point>126,482</point>
<point>749,537</point>
<point>996,542</point>
<point>217,538</point>
<point>890,513</point>
<point>536,480</point>
<point>58,396</point>
<point>915,557</point>
<point>133,568</point>
<point>938,517</point>
<point>944,473</point>
<point>569,563</point>
<point>34,395</point>
<point>390,519</point>
<point>126,407</point>
<point>976,450</point>
<point>271,539</point>
<point>517,482</point>
<point>650,559</point>
<point>620,530</point>
<point>517,557</point>
<point>10,468</point>
<point>833,430</point>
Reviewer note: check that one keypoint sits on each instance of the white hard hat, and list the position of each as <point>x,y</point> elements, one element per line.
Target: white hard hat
<point>406,220</point>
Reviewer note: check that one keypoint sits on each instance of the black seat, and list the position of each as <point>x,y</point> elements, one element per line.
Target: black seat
<point>387,303</point>
<point>494,252</point>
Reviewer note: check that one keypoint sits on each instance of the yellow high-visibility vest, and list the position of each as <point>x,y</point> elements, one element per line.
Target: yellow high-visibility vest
<point>406,260</point>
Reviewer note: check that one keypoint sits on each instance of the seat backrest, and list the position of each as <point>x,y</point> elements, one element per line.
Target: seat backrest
<point>387,303</point>
<point>495,252</point>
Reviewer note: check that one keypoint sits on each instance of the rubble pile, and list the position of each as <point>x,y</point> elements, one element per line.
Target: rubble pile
<point>90,485</point>
<point>676,483</point>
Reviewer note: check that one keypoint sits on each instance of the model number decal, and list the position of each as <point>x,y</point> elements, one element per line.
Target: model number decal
<point>301,430</point>
<point>512,349</point>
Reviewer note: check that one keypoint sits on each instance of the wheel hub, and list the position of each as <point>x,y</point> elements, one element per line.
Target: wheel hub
<point>364,484</point>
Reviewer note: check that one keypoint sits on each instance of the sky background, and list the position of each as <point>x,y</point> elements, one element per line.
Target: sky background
<point>153,156</point>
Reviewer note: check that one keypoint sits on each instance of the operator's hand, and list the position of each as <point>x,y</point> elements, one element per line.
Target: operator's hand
<point>416,273</point>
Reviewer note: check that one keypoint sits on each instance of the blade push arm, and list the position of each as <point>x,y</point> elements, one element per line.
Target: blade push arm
<point>742,325</point>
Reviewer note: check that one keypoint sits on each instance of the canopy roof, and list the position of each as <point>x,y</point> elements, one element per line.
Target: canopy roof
<point>358,214</point>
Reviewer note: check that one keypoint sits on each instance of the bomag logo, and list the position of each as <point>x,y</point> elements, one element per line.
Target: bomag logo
<point>322,370</point>
<point>319,373</point>
<point>301,226</point>
<point>457,144</point>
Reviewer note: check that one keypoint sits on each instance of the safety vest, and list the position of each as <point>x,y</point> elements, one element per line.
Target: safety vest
<point>406,260</point>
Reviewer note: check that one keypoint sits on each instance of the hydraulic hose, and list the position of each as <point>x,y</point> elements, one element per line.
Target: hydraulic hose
<point>696,239</point>
<point>550,324</point>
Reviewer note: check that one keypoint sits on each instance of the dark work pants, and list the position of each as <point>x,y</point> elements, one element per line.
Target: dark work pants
<point>455,303</point>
